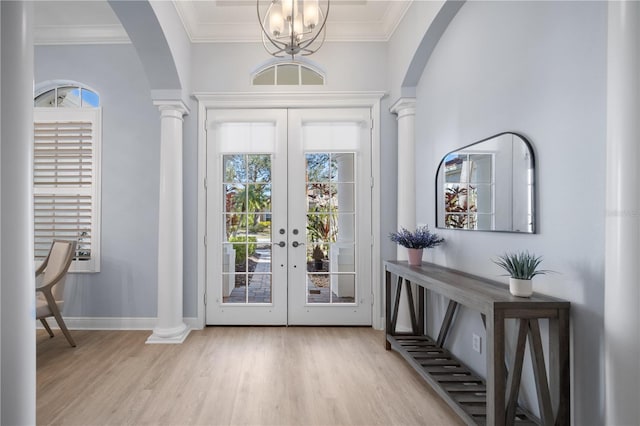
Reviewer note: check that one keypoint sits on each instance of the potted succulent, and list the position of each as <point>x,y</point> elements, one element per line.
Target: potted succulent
<point>416,241</point>
<point>521,267</point>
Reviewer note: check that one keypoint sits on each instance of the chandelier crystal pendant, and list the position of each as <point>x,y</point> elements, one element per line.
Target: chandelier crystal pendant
<point>292,27</point>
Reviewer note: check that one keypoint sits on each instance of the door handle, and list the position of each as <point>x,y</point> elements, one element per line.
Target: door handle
<point>296,244</point>
<point>282,244</point>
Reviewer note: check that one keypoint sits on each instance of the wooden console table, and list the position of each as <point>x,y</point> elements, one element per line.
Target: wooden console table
<point>492,401</point>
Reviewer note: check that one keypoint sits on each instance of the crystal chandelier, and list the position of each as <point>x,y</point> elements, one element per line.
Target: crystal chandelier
<point>292,27</point>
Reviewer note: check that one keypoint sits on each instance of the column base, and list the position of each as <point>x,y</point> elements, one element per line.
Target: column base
<point>174,335</point>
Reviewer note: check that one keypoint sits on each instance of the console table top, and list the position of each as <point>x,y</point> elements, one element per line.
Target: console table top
<point>473,291</point>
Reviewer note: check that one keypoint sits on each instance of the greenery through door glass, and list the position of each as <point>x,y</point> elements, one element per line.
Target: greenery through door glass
<point>247,227</point>
<point>321,205</point>
<point>330,207</point>
<point>248,193</point>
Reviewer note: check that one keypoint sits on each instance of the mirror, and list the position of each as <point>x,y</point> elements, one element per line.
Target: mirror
<point>488,186</point>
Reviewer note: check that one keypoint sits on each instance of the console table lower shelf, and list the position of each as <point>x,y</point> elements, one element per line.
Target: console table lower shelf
<point>494,400</point>
<point>450,378</point>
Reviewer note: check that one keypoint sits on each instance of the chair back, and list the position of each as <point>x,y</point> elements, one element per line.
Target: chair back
<point>59,259</point>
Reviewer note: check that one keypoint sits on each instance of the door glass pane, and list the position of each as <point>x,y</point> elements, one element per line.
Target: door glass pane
<point>320,197</point>
<point>342,167</point>
<point>234,224</point>
<point>321,227</point>
<point>234,288</point>
<point>233,166</point>
<point>318,257</point>
<point>259,168</point>
<point>330,227</point>
<point>342,257</point>
<point>343,288</point>
<point>257,198</point>
<point>318,167</point>
<point>260,288</point>
<point>318,288</point>
<point>262,258</point>
<point>263,192</point>
<point>344,197</point>
<point>346,227</point>
<point>234,197</point>
<point>247,228</point>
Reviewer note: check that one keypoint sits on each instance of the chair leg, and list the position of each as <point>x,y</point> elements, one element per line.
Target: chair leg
<point>63,327</point>
<point>45,324</point>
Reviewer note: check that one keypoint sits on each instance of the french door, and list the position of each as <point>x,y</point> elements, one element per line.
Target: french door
<point>288,217</point>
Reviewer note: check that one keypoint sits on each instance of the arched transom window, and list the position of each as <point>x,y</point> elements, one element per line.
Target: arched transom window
<point>288,74</point>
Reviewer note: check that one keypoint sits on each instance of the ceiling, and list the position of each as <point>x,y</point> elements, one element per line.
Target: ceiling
<point>210,21</point>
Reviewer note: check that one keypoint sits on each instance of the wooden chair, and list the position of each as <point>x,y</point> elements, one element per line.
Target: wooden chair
<point>50,294</point>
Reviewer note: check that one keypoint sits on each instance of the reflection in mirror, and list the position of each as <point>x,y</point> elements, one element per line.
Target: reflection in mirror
<point>487,186</point>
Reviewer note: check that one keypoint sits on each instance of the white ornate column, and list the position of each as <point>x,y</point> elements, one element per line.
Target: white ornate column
<point>622,236</point>
<point>17,288</point>
<point>170,327</point>
<point>405,109</point>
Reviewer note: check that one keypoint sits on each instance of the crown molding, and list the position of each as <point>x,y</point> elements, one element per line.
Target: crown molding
<point>373,30</point>
<point>249,32</point>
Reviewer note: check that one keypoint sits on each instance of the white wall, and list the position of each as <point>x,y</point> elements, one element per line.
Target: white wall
<point>536,68</point>
<point>126,284</point>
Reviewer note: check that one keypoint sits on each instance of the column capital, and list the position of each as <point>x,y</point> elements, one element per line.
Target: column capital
<point>404,107</point>
<point>172,107</point>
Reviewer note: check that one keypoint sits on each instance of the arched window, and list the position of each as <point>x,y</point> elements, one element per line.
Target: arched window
<point>288,74</point>
<point>66,94</point>
<point>66,171</point>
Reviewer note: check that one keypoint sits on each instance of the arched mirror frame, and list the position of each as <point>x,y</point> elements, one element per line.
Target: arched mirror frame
<point>531,188</point>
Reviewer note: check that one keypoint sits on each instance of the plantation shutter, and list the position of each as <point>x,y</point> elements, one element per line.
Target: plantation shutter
<point>65,182</point>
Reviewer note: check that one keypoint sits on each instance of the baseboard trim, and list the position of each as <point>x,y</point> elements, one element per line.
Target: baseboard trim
<point>114,323</point>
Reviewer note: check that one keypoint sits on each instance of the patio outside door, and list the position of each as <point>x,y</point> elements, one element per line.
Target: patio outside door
<point>289,217</point>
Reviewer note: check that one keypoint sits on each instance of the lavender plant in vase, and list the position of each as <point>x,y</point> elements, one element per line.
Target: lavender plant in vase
<point>416,242</point>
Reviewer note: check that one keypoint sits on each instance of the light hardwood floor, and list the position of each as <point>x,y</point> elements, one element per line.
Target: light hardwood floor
<point>232,376</point>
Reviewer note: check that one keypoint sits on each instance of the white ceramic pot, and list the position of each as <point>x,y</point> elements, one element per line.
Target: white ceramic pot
<point>520,288</point>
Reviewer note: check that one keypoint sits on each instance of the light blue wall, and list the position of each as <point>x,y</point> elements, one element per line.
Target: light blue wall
<point>537,68</point>
<point>126,286</point>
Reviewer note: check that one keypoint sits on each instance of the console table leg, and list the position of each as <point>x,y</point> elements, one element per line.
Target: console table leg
<point>446,323</point>
<point>421,311</point>
<point>396,304</point>
<point>496,409</point>
<point>412,309</point>
<point>559,367</point>
<point>515,371</point>
<point>387,308</point>
<point>540,373</point>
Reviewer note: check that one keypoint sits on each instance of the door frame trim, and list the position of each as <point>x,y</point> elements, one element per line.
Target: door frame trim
<point>239,100</point>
